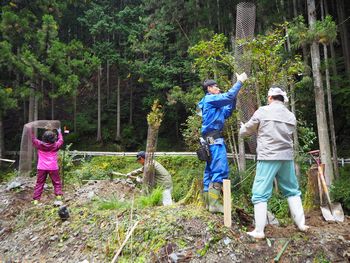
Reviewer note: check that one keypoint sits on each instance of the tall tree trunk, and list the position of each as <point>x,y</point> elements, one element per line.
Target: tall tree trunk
<point>295,8</point>
<point>2,138</point>
<point>131,103</point>
<point>117,136</point>
<point>31,106</point>
<point>25,112</point>
<point>319,99</point>
<point>330,115</point>
<point>52,104</point>
<point>241,154</point>
<point>36,108</point>
<point>295,134</point>
<point>329,103</point>
<point>292,102</point>
<point>198,8</point>
<point>75,111</point>
<point>343,34</point>
<point>210,16</point>
<point>99,133</point>
<point>42,99</point>
<point>108,78</point>
<point>218,14</point>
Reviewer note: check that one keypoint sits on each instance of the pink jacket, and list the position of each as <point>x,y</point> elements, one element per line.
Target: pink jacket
<point>47,153</point>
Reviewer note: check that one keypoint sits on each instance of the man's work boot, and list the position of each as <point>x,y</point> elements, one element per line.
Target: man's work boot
<point>215,198</point>
<point>260,213</point>
<point>297,212</point>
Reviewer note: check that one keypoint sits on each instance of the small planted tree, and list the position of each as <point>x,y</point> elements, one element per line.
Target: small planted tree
<point>154,119</point>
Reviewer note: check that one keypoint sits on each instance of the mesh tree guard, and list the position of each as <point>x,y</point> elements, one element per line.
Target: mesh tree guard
<point>247,101</point>
<point>26,151</point>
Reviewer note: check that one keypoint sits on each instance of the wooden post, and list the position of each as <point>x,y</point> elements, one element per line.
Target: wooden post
<point>227,202</point>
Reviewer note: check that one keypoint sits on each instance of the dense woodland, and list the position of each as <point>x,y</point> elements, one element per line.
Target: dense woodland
<point>98,66</point>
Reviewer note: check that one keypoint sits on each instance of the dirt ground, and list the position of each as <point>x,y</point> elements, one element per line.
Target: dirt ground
<point>25,238</point>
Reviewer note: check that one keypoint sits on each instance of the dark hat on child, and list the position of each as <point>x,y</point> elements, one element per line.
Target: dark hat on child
<point>49,137</point>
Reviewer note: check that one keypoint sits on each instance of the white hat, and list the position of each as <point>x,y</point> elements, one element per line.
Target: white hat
<point>274,91</point>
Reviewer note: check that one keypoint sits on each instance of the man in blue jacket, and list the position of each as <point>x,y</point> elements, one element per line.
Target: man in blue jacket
<point>215,108</point>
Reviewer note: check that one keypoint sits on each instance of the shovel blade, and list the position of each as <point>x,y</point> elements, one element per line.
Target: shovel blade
<point>337,212</point>
<point>327,214</point>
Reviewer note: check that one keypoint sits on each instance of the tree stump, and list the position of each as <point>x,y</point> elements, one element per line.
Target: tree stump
<point>312,195</point>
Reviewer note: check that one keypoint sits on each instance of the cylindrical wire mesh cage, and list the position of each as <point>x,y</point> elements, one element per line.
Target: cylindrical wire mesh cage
<point>26,151</point>
<point>247,101</point>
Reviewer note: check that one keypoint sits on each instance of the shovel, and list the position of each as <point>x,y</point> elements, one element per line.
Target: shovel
<point>331,211</point>
<point>138,179</point>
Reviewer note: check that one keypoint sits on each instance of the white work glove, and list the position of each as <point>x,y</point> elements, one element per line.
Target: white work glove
<point>59,130</point>
<point>139,179</point>
<point>242,77</point>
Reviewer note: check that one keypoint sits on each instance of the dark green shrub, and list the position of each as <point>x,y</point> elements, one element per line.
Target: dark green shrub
<point>340,189</point>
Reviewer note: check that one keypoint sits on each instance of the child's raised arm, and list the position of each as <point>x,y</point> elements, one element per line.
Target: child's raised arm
<point>35,141</point>
<point>60,138</point>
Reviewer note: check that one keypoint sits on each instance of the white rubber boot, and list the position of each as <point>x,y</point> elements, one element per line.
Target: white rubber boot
<point>297,212</point>
<point>260,213</point>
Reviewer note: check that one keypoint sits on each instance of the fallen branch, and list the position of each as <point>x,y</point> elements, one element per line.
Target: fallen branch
<point>126,239</point>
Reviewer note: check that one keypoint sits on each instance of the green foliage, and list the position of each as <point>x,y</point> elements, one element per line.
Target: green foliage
<point>183,170</point>
<point>212,59</point>
<point>154,199</point>
<point>270,62</point>
<point>8,101</point>
<point>188,99</point>
<point>340,189</point>
<point>155,117</point>
<point>242,186</point>
<point>112,203</point>
<point>278,205</point>
<point>324,31</point>
<point>191,131</point>
<point>7,173</point>
<point>307,137</point>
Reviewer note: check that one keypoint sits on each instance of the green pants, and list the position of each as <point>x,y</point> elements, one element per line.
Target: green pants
<point>266,171</point>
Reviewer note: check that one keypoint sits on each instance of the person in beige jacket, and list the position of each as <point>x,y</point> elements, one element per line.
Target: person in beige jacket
<point>161,175</point>
<point>274,125</point>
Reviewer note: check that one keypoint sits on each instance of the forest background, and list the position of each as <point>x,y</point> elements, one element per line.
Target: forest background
<point>98,66</point>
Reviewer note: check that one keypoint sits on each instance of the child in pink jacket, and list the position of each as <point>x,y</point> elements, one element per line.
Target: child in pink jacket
<point>48,162</point>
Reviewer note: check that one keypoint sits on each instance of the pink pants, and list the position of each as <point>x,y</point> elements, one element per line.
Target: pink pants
<point>40,181</point>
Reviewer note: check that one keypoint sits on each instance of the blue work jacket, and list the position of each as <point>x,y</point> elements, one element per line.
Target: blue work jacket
<point>216,108</point>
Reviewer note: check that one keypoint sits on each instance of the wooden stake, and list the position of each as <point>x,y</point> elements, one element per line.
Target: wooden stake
<point>126,239</point>
<point>227,203</point>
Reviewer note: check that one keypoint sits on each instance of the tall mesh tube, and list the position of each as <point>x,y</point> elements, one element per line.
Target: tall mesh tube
<point>26,151</point>
<point>247,102</point>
